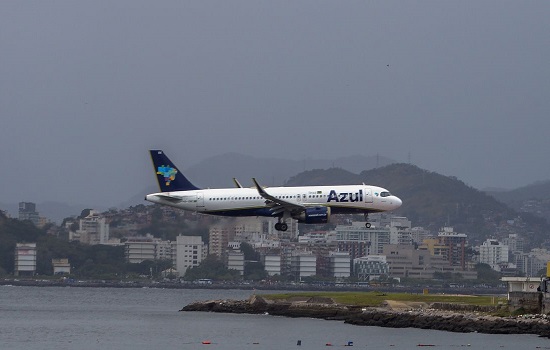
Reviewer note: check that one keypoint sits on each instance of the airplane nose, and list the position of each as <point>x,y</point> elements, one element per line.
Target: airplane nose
<point>397,202</point>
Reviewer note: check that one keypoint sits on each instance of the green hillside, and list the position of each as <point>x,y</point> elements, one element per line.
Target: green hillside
<point>433,200</point>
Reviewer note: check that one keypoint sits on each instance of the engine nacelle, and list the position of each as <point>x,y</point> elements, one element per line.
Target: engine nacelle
<point>316,215</point>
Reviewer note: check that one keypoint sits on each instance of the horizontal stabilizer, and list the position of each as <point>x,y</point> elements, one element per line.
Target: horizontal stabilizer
<point>173,199</point>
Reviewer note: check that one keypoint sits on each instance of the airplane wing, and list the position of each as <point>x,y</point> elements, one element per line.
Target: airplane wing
<point>279,205</point>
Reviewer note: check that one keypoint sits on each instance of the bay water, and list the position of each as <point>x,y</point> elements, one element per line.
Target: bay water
<point>148,318</point>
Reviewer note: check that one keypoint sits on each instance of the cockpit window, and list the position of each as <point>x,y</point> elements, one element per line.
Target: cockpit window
<point>385,194</point>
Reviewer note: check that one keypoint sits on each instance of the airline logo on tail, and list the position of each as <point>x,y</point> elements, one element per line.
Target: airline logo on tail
<point>167,172</point>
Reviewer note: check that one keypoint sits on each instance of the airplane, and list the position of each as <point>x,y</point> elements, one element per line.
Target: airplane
<point>306,204</point>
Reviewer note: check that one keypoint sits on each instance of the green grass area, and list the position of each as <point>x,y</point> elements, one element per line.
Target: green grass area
<point>376,298</point>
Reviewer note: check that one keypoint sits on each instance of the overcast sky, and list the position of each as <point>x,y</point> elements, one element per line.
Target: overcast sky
<point>87,87</point>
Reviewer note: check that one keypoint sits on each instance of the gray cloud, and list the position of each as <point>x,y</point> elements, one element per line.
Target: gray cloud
<point>87,88</point>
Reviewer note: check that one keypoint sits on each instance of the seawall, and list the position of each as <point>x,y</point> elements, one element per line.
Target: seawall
<point>429,318</point>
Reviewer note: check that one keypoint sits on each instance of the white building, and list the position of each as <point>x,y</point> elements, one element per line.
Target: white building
<point>93,229</point>
<point>25,258</point>
<point>494,254</point>
<point>138,249</point>
<point>272,264</point>
<point>190,251</point>
<point>235,261</point>
<point>514,242</point>
<point>165,250</point>
<point>535,260</point>
<point>419,234</point>
<point>357,232</point>
<point>303,265</point>
<point>400,230</point>
<point>61,266</point>
<point>249,230</point>
<point>339,264</point>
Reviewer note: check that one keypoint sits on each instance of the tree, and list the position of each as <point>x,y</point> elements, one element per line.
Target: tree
<point>249,252</point>
<point>485,274</point>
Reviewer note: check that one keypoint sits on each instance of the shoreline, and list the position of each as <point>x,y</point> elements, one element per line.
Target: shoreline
<point>251,287</point>
<point>425,318</point>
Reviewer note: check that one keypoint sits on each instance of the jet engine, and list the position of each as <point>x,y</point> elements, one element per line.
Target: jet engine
<point>316,215</point>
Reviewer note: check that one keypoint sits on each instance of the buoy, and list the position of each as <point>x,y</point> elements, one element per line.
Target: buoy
<point>206,342</point>
<point>299,343</point>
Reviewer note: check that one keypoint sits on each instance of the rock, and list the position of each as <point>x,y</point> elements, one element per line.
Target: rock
<point>423,318</point>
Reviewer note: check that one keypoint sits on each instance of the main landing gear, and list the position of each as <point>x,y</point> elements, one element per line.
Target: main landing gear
<point>367,223</point>
<point>281,226</point>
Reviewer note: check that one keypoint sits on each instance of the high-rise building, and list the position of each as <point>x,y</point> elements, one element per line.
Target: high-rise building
<point>456,243</point>
<point>93,229</point>
<point>515,243</point>
<point>27,211</point>
<point>494,254</point>
<point>339,264</point>
<point>189,253</point>
<point>534,261</point>
<point>450,245</point>
<point>272,264</point>
<point>219,237</point>
<point>370,267</point>
<point>138,249</point>
<point>235,261</point>
<point>360,241</point>
<point>25,258</point>
<point>303,264</point>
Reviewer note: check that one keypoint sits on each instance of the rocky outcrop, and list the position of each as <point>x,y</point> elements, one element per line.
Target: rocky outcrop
<point>425,319</point>
<point>451,321</point>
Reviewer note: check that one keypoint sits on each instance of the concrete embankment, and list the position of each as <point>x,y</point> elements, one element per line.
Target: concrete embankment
<point>425,318</point>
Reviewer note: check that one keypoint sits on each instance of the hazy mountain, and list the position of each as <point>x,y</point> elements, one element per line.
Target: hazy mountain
<point>429,199</point>
<point>218,171</point>
<point>433,200</point>
<point>537,190</point>
<point>534,199</point>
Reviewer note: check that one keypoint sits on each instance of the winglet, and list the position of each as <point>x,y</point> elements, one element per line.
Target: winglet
<point>259,188</point>
<point>237,183</point>
<point>285,204</point>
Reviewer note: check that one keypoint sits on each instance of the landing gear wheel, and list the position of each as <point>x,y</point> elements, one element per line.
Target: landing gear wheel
<point>283,226</point>
<point>278,226</point>
<point>367,224</point>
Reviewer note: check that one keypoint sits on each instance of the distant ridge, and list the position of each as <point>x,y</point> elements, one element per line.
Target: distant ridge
<point>433,200</point>
<point>537,190</point>
<point>534,198</point>
<point>218,171</point>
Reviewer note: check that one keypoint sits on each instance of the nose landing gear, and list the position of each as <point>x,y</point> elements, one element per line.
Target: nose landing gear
<point>367,223</point>
<point>281,226</point>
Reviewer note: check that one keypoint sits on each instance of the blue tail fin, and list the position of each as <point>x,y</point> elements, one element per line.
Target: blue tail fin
<point>170,179</point>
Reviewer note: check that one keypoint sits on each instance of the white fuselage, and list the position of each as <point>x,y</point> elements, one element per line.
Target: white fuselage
<point>248,201</point>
